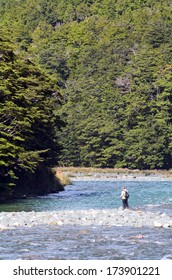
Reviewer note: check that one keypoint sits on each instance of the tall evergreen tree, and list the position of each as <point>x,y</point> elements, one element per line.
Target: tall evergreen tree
<point>108,56</point>
<point>27,119</point>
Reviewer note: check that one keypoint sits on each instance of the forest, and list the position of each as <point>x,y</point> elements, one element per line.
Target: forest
<point>84,83</point>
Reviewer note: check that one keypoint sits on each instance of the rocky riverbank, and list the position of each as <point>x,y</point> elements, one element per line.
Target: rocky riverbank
<point>109,217</point>
<point>112,174</point>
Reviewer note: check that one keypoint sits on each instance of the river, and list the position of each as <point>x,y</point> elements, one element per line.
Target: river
<point>91,242</point>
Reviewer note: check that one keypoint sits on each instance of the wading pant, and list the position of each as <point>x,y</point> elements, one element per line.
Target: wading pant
<point>124,203</point>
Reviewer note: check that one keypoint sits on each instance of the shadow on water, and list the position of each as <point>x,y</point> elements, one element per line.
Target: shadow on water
<point>99,195</point>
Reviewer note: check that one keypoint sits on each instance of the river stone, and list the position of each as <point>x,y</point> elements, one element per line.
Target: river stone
<point>157,225</point>
<point>16,224</point>
<point>108,217</point>
<point>60,223</point>
<point>2,227</point>
<point>167,226</point>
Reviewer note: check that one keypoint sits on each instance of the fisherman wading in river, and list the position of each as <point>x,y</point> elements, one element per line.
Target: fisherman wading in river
<point>124,196</point>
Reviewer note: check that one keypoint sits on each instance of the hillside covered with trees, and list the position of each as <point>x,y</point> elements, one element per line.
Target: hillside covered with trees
<point>28,147</point>
<point>112,63</point>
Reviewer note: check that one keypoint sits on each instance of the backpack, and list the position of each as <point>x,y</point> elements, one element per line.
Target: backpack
<point>127,194</point>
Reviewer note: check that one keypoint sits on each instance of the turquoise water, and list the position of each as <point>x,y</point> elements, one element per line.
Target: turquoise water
<point>100,195</point>
<point>91,242</point>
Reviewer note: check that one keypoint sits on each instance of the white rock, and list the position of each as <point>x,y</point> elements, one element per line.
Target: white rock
<point>16,224</point>
<point>157,224</point>
<point>2,227</point>
<point>166,225</point>
<point>60,223</point>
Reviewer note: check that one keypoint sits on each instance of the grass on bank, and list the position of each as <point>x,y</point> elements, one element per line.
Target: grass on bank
<point>65,173</point>
<point>62,177</point>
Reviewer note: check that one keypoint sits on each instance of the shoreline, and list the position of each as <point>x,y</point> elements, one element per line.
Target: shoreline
<point>91,217</point>
<point>110,174</point>
<point>121,178</point>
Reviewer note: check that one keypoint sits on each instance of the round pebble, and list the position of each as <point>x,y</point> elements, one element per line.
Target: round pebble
<point>108,217</point>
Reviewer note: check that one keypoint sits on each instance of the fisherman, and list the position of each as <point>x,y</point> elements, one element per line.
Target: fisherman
<point>124,196</point>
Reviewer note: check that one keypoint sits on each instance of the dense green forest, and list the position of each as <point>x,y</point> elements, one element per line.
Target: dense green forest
<point>28,124</point>
<point>111,61</point>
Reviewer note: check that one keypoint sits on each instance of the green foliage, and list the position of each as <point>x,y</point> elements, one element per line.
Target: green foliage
<point>113,61</point>
<point>27,120</point>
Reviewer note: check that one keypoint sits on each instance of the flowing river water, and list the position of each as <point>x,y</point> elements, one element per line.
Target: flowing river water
<point>91,242</point>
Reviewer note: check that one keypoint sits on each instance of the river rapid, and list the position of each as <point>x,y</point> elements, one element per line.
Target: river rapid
<point>91,241</point>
